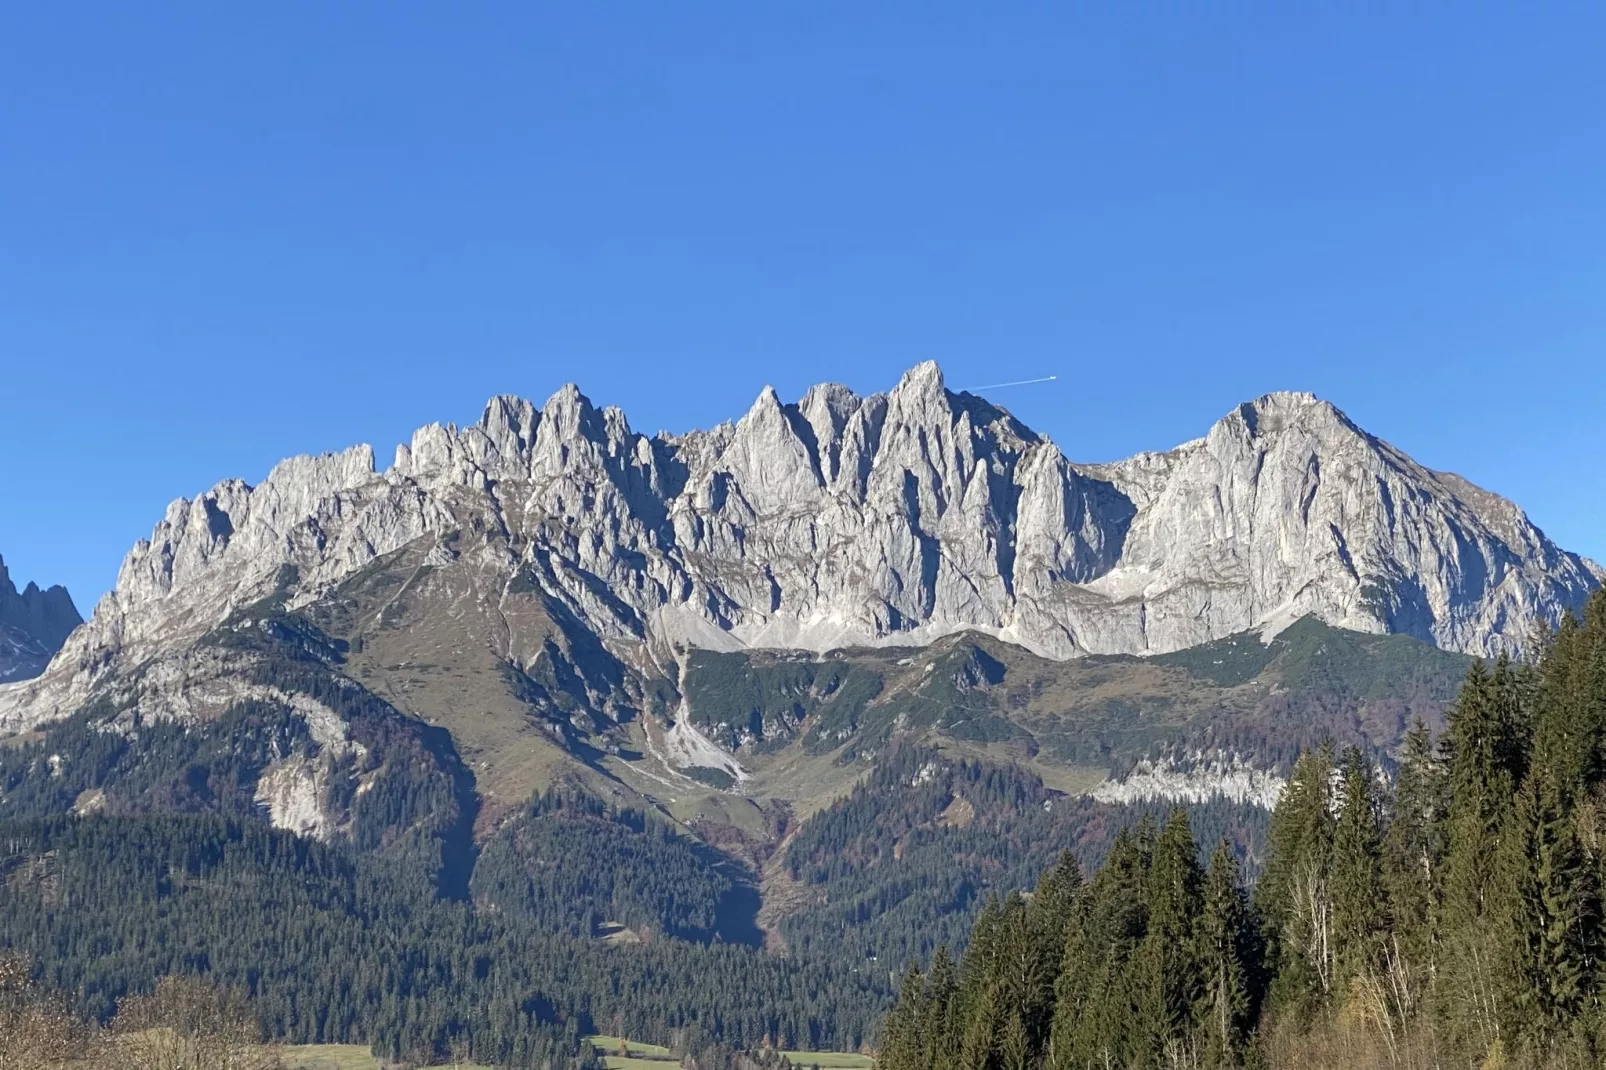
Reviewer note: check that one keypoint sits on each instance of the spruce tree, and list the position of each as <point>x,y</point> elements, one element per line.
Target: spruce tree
<point>1359,918</point>
<point>1552,927</point>
<point>1048,919</point>
<point>1014,1046</point>
<point>1053,901</point>
<point>1025,977</point>
<point>1570,725</point>
<point>1552,911</point>
<point>1225,946</point>
<point>901,1045</point>
<point>1166,975</point>
<point>1413,857</point>
<point>1295,893</point>
<point>981,1031</point>
<point>941,1031</point>
<point>978,966</point>
<point>1094,1011</point>
<point>1486,745</point>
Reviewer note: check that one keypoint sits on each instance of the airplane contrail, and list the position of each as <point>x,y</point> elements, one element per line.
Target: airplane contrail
<point>1018,382</point>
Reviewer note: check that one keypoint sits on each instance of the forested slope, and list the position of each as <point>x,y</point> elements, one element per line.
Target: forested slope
<point>336,946</point>
<point>1455,920</point>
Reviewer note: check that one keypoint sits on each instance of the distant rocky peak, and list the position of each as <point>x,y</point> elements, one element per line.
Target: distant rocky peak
<point>301,482</point>
<point>1271,413</point>
<point>840,519</point>
<point>34,623</point>
<point>924,378</point>
<point>48,613</point>
<point>569,414</point>
<point>509,423</point>
<point>829,408</point>
<point>920,399</point>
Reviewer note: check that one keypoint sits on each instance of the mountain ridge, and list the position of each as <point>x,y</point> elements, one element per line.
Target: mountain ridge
<point>34,623</point>
<point>846,520</point>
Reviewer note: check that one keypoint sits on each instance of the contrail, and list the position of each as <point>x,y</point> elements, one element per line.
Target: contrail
<point>1018,382</point>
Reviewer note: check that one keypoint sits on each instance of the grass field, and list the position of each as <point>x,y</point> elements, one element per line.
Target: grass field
<point>656,1057</point>
<point>635,1051</point>
<point>340,1057</point>
<point>641,1057</point>
<point>830,1060</point>
<point>329,1057</point>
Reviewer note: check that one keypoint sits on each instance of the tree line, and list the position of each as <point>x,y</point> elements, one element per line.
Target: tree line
<point>1451,916</point>
<point>903,863</point>
<point>335,945</point>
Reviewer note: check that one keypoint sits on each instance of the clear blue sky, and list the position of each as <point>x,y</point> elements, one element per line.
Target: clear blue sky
<point>230,233</point>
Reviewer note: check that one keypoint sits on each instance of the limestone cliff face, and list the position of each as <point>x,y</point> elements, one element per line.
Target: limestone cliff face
<point>845,520</point>
<point>33,625</point>
<point>1286,508</point>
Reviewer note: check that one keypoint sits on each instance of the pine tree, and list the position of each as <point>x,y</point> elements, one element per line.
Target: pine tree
<point>1486,744</point>
<point>1553,923</point>
<point>941,1030</point>
<point>1413,856</point>
<point>1094,1006</point>
<point>1295,893</point>
<point>1359,919</point>
<point>902,1047</point>
<point>1225,948</point>
<point>1167,977</point>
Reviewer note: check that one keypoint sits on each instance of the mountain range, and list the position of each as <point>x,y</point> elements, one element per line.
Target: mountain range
<point>812,681</point>
<point>845,521</point>
<point>33,625</point>
<point>549,570</point>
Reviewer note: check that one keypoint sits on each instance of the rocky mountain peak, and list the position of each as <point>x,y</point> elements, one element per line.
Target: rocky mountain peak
<point>509,424</point>
<point>847,520</point>
<point>34,623</point>
<point>924,379</point>
<point>1272,413</point>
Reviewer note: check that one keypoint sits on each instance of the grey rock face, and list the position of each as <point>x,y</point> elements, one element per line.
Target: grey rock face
<point>860,520</point>
<point>33,625</point>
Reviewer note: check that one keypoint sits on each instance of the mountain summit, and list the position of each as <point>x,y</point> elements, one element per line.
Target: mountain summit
<point>843,520</point>
<point>33,625</point>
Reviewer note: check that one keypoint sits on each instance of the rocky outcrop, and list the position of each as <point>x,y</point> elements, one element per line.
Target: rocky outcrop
<point>33,625</point>
<point>1286,509</point>
<point>1193,779</point>
<point>858,520</point>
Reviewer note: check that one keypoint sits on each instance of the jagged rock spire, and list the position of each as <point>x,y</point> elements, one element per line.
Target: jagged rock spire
<point>839,519</point>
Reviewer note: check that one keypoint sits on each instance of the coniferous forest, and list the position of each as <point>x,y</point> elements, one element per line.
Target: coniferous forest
<point>1449,916</point>
<point>1438,907</point>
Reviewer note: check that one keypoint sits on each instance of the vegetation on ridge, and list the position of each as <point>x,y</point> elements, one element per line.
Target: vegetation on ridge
<point>1454,921</point>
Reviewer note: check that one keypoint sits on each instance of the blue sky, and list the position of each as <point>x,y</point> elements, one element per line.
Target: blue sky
<point>229,235</point>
